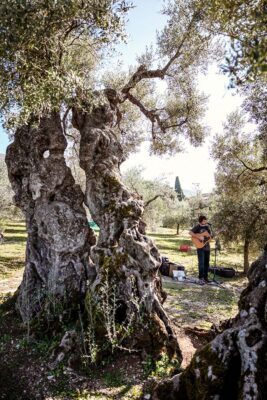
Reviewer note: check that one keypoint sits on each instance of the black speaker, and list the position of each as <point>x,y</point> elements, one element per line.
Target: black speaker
<point>165,266</point>
<point>223,271</point>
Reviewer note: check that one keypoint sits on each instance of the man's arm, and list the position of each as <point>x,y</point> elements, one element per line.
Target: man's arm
<point>193,234</point>
<point>196,235</point>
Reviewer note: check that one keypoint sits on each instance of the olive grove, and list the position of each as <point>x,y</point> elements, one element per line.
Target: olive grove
<point>50,52</point>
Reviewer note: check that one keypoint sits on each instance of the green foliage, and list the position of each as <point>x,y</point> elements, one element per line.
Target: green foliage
<point>48,50</point>
<point>114,378</point>
<point>255,104</point>
<point>240,156</point>
<point>241,186</point>
<point>238,153</point>
<point>238,26</point>
<point>104,332</point>
<point>157,195</point>
<point>161,368</point>
<point>178,215</point>
<point>244,24</point>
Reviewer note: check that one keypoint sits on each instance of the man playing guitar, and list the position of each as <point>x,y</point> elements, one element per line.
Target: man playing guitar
<point>201,235</point>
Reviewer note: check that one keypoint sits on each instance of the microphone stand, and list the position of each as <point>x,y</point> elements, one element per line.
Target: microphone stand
<point>216,249</point>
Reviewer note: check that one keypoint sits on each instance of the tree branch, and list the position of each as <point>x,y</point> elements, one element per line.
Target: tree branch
<point>241,173</point>
<point>154,117</point>
<point>143,73</point>
<point>153,199</point>
<point>150,114</point>
<point>263,168</point>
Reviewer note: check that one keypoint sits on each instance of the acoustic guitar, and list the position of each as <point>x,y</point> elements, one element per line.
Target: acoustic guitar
<point>198,243</point>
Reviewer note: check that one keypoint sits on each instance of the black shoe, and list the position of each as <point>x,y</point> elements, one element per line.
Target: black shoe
<point>206,280</point>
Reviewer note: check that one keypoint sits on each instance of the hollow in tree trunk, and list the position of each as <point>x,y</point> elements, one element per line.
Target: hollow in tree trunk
<point>122,250</point>
<point>59,239</point>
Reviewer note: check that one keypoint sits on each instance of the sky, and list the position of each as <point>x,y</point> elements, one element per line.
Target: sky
<point>195,166</point>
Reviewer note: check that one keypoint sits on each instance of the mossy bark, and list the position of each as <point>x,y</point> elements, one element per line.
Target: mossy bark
<point>130,257</point>
<point>59,239</point>
<point>234,364</point>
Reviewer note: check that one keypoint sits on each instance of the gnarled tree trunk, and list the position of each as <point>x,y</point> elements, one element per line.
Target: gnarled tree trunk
<point>234,364</point>
<point>59,239</point>
<point>122,249</point>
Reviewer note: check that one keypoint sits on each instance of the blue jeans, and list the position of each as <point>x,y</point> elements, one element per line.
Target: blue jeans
<point>203,263</point>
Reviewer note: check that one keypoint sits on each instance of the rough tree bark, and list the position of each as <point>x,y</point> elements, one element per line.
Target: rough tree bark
<point>234,364</point>
<point>246,255</point>
<point>122,249</point>
<point>58,244</point>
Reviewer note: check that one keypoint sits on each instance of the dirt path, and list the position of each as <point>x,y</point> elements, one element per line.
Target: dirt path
<point>187,348</point>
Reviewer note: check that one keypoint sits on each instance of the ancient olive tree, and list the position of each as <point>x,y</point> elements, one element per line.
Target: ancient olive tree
<point>48,53</point>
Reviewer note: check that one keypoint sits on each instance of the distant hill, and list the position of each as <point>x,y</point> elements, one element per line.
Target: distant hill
<point>192,193</point>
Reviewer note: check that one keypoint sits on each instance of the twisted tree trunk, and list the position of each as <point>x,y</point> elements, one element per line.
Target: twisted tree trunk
<point>130,257</point>
<point>234,364</point>
<point>59,239</point>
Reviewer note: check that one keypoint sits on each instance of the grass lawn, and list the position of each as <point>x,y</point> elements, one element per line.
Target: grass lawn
<point>188,304</point>
<point>12,255</point>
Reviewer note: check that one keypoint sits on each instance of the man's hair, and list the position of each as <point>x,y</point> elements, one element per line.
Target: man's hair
<point>201,218</point>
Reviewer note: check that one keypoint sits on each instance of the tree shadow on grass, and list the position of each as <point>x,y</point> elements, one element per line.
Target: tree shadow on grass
<point>7,264</point>
<point>15,239</point>
<point>18,230</point>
